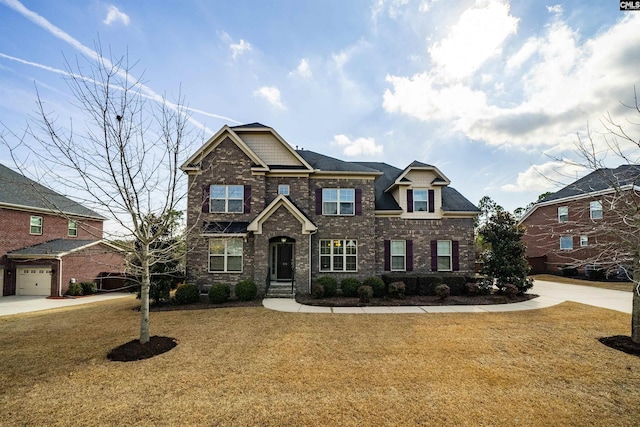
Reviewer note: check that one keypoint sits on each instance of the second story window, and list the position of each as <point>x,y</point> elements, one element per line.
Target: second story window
<point>72,228</point>
<point>283,189</point>
<point>338,201</point>
<point>227,198</point>
<point>595,210</point>
<point>420,203</point>
<point>563,214</point>
<point>566,243</point>
<point>35,225</point>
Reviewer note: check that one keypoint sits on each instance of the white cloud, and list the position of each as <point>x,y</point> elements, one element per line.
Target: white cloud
<point>114,15</point>
<point>546,177</point>
<point>303,69</point>
<point>528,49</point>
<point>357,147</point>
<point>556,9</point>
<point>272,95</point>
<point>478,36</point>
<point>425,5</point>
<point>238,49</point>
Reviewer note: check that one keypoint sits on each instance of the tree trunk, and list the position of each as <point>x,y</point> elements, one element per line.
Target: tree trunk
<point>144,295</point>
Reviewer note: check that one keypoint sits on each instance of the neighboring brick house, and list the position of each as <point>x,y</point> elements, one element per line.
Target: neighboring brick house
<point>260,210</point>
<point>577,227</point>
<point>47,240</point>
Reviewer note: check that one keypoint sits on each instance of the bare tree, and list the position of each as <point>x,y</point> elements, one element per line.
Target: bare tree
<point>123,158</point>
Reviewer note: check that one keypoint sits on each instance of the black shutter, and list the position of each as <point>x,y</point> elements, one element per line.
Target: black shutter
<point>358,201</point>
<point>387,255</point>
<point>432,198</point>
<point>247,199</point>
<point>434,255</point>
<point>409,200</point>
<point>455,255</point>
<point>409,255</point>
<point>318,201</point>
<point>205,198</point>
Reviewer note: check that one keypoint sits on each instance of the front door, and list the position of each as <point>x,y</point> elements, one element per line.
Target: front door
<point>284,261</point>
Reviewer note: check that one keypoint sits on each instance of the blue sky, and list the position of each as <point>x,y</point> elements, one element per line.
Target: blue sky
<point>492,92</point>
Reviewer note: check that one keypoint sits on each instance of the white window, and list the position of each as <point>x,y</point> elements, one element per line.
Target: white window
<point>444,255</point>
<point>72,228</point>
<point>595,210</point>
<point>563,214</point>
<point>584,241</point>
<point>420,203</point>
<point>338,201</point>
<point>227,198</point>
<point>225,255</point>
<point>283,189</point>
<point>398,255</point>
<point>338,255</point>
<point>35,225</point>
<point>566,243</point>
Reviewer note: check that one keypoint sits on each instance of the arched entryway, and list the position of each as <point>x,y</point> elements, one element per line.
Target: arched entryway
<point>281,259</point>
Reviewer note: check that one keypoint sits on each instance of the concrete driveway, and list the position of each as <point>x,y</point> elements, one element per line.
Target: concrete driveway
<point>19,304</point>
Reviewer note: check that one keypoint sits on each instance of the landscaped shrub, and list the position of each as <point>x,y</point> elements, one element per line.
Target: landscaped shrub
<point>427,284</point>
<point>75,289</point>
<point>350,286</point>
<point>246,290</point>
<point>330,285</point>
<point>187,294</point>
<point>410,281</point>
<point>365,293</point>
<point>442,291</point>
<point>376,284</point>
<point>397,290</point>
<point>219,293</point>
<point>510,290</point>
<point>318,291</point>
<point>473,289</point>
<point>456,283</point>
<point>159,291</point>
<point>88,288</point>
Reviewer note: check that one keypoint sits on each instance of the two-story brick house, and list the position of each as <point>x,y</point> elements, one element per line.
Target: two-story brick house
<point>47,240</point>
<point>260,210</point>
<point>582,225</point>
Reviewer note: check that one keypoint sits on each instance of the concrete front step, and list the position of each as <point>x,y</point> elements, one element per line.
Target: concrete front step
<point>280,290</point>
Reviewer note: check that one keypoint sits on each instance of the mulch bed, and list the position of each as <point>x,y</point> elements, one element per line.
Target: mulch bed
<point>134,350</point>
<point>622,343</point>
<point>416,300</point>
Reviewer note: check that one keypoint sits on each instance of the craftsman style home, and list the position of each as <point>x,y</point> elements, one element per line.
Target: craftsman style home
<point>582,226</point>
<point>260,210</point>
<point>47,240</point>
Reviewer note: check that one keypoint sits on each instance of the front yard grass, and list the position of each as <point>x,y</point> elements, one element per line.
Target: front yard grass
<point>252,366</point>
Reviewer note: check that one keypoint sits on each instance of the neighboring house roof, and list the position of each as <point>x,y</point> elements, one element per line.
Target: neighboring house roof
<point>20,192</point>
<point>331,164</point>
<point>56,248</point>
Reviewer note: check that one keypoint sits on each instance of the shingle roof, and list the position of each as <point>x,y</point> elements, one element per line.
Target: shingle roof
<point>18,190</point>
<point>384,200</point>
<point>52,247</point>
<point>249,126</point>
<point>452,201</point>
<point>326,163</point>
<point>598,180</point>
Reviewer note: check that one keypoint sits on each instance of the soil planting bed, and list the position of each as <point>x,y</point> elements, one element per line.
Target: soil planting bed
<point>133,350</point>
<point>416,300</point>
<point>622,343</point>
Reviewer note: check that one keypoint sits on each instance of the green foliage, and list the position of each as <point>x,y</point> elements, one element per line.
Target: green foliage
<point>88,288</point>
<point>410,281</point>
<point>75,289</point>
<point>427,284</point>
<point>457,283</point>
<point>187,294</point>
<point>397,290</point>
<point>350,286</point>
<point>510,290</point>
<point>505,259</point>
<point>246,290</point>
<point>219,293</point>
<point>159,290</point>
<point>442,291</point>
<point>365,293</point>
<point>318,291</point>
<point>330,285</point>
<point>376,284</point>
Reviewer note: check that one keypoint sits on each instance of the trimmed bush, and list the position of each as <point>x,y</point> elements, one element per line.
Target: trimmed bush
<point>510,290</point>
<point>473,289</point>
<point>456,283</point>
<point>442,291</point>
<point>376,284</point>
<point>246,290</point>
<point>350,286</point>
<point>330,285</point>
<point>75,289</point>
<point>219,293</point>
<point>187,294</point>
<point>318,291</point>
<point>427,284</point>
<point>159,291</point>
<point>410,281</point>
<point>397,290</point>
<point>365,293</point>
<point>88,288</point>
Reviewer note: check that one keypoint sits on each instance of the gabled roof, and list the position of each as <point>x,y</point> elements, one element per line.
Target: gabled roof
<point>281,201</point>
<point>440,178</point>
<point>57,248</point>
<point>330,164</point>
<point>20,192</point>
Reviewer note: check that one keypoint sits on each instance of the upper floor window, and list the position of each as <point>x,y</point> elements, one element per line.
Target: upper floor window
<point>227,198</point>
<point>338,255</point>
<point>420,203</point>
<point>338,201</point>
<point>225,255</point>
<point>35,225</point>
<point>398,255</point>
<point>595,210</point>
<point>566,243</point>
<point>444,255</point>
<point>563,214</point>
<point>283,189</point>
<point>584,240</point>
<point>72,228</point>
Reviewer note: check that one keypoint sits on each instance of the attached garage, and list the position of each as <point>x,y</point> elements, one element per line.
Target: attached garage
<point>33,280</point>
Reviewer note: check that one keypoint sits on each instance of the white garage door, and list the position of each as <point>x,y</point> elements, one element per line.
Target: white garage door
<point>33,281</point>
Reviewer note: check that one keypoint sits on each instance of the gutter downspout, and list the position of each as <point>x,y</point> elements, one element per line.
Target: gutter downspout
<point>59,276</point>
<point>311,233</point>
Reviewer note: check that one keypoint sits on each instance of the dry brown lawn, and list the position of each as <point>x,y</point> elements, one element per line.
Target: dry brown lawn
<point>616,286</point>
<point>251,366</point>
